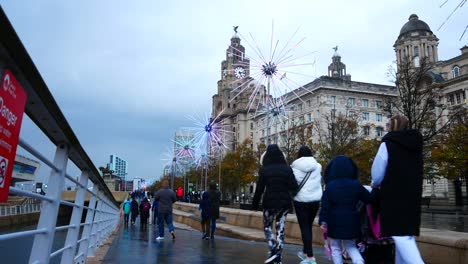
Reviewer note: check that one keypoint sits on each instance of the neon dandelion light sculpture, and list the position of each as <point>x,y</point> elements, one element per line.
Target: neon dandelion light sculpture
<point>273,71</point>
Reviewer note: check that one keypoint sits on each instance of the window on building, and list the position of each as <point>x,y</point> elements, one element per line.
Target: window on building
<point>378,104</point>
<point>416,56</point>
<point>229,105</point>
<point>299,106</point>
<point>365,103</point>
<point>455,71</point>
<point>332,99</point>
<point>365,116</point>
<point>234,106</point>
<point>251,126</point>
<point>263,132</point>
<point>308,103</point>
<point>451,99</point>
<point>309,117</point>
<point>350,114</point>
<point>378,117</point>
<point>457,95</point>
<point>365,130</point>
<point>251,135</point>
<point>233,129</point>
<point>379,131</point>
<point>350,101</point>
<point>301,120</point>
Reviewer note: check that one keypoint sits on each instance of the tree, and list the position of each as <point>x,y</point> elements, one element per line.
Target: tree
<point>297,134</point>
<point>339,136</point>
<point>450,154</point>
<point>239,167</point>
<point>363,155</point>
<point>419,100</point>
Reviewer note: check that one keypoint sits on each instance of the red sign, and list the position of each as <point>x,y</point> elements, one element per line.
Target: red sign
<point>12,102</point>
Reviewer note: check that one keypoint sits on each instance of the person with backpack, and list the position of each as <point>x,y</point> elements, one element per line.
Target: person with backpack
<point>398,171</point>
<point>339,217</point>
<point>145,207</point>
<point>277,184</point>
<point>307,172</point>
<point>126,210</point>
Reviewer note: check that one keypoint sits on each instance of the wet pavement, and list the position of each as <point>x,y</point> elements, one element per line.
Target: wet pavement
<point>133,245</point>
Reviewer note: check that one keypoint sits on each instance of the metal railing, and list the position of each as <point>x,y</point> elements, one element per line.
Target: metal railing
<point>102,212</point>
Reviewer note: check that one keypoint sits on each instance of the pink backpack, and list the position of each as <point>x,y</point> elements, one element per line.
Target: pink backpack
<point>374,224</point>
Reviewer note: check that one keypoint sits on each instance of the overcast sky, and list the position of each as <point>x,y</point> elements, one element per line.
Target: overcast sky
<point>127,73</point>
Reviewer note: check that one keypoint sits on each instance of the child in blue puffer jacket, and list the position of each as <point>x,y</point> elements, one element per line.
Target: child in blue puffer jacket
<point>339,216</point>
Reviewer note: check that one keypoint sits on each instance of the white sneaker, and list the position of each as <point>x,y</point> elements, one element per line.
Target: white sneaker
<point>160,238</point>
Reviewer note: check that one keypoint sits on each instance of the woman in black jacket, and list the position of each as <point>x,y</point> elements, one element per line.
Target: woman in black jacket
<point>278,185</point>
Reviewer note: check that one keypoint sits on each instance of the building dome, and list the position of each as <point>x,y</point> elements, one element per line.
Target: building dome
<point>414,24</point>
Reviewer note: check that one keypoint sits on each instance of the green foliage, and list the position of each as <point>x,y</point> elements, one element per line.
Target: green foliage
<point>239,167</point>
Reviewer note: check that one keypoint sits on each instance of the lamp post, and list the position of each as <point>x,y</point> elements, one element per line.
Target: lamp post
<point>174,160</point>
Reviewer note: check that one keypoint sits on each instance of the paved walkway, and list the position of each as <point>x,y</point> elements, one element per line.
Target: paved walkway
<point>133,245</point>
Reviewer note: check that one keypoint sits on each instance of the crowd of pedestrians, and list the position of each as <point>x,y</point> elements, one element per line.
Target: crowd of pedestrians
<point>367,224</point>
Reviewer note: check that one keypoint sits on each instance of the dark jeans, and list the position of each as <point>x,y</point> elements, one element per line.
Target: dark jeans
<point>155,216</point>
<point>305,213</point>
<point>380,254</point>
<point>126,218</point>
<point>165,217</point>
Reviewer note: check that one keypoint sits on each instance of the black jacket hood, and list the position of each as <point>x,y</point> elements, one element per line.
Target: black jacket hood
<point>408,139</point>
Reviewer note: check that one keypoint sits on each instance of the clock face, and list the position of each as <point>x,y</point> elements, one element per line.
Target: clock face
<point>239,72</point>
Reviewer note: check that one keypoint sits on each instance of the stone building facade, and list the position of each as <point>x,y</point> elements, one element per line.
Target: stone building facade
<point>417,41</point>
<point>333,93</point>
<point>229,106</point>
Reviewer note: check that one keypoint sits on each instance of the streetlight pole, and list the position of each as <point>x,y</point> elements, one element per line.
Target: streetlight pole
<point>267,140</point>
<point>174,160</point>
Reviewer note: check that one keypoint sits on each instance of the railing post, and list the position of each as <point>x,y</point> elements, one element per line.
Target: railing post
<point>96,225</point>
<point>83,251</point>
<point>72,236</point>
<point>42,245</point>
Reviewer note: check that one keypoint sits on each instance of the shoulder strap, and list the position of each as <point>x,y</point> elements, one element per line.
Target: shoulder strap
<point>304,180</point>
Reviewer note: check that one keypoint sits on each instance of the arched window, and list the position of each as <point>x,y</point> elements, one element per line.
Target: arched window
<point>455,71</point>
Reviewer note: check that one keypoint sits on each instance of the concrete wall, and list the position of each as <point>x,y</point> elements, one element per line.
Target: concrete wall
<point>436,246</point>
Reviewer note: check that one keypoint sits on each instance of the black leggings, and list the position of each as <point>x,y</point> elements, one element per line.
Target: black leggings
<point>305,213</point>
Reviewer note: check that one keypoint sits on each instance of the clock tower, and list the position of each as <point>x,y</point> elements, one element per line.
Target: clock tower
<point>235,76</point>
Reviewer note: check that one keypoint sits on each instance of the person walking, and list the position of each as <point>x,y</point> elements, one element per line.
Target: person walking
<point>277,184</point>
<point>307,200</point>
<point>166,197</point>
<point>134,209</point>
<point>215,199</point>
<point>339,217</point>
<point>205,207</point>
<point>398,171</point>
<point>145,207</point>
<point>126,210</point>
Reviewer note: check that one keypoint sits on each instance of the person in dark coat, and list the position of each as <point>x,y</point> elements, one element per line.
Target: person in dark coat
<point>215,198</point>
<point>205,207</point>
<point>145,208</point>
<point>278,185</point>
<point>134,208</point>
<point>339,216</point>
<point>398,171</point>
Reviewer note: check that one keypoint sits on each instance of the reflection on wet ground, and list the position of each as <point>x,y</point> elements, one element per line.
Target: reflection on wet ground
<point>135,245</point>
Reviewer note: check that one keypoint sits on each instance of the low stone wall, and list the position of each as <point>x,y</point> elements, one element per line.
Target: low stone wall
<point>436,246</point>
<point>13,222</point>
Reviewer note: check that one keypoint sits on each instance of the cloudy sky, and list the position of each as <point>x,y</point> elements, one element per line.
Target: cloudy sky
<point>127,73</point>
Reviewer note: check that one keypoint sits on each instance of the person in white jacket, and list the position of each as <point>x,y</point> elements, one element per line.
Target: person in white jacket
<point>307,172</point>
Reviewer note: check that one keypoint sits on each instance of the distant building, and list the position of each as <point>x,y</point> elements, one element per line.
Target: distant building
<point>138,184</point>
<point>119,166</point>
<point>24,173</point>
<point>335,93</point>
<point>417,41</point>
<point>233,109</point>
